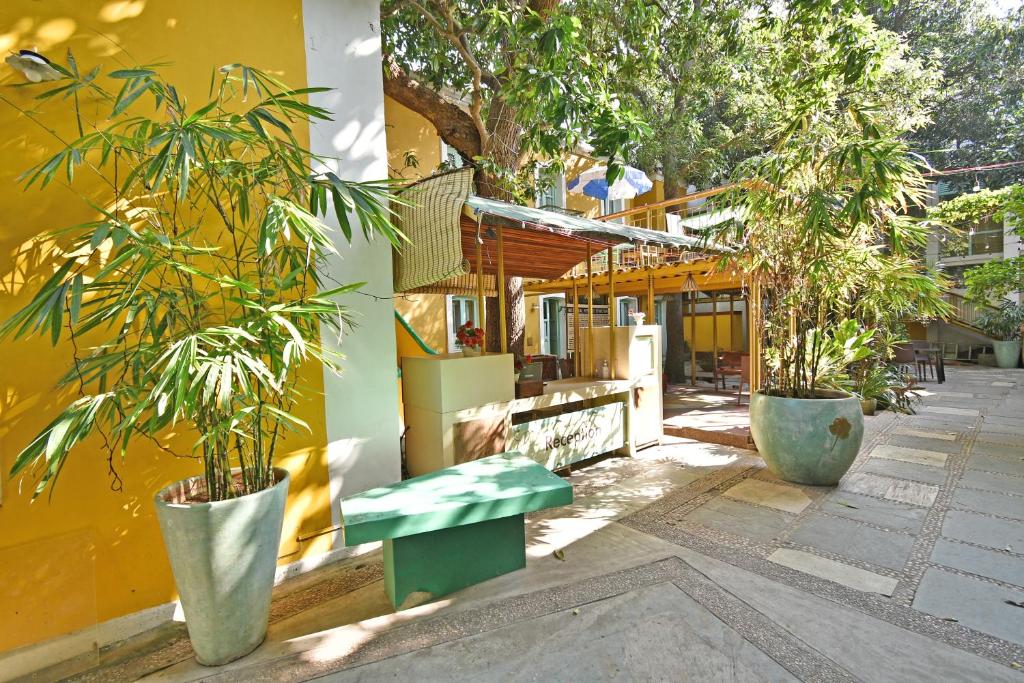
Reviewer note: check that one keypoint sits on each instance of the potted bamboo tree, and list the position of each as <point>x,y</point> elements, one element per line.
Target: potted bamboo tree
<point>824,238</point>
<point>193,299</point>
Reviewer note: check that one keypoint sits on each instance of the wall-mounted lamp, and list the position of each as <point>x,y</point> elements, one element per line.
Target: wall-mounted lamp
<point>33,66</point>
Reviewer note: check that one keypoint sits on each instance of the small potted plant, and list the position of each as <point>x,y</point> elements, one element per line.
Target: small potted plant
<point>470,339</point>
<point>1004,326</point>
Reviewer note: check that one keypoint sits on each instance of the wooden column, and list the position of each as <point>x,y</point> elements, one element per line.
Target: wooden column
<point>590,307</point>
<point>577,358</point>
<point>693,337</point>
<point>732,315</point>
<point>481,311</point>
<point>613,312</point>
<point>500,291</point>
<point>714,333</point>
<point>754,338</point>
<point>651,308</point>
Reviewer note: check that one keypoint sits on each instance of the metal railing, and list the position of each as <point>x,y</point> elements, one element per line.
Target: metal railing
<point>966,312</point>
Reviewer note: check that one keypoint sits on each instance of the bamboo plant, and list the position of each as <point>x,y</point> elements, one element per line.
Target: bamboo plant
<point>197,292</point>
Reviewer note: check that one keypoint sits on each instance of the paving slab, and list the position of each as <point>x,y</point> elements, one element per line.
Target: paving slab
<point>740,519</point>
<point>974,603</point>
<point>991,482</point>
<point>1004,384</point>
<point>999,437</point>
<point>849,539</point>
<point>884,513</point>
<point>1012,465</point>
<point>991,563</point>
<point>999,449</point>
<point>946,410</point>
<point>939,445</point>
<point>980,530</point>
<point>876,651</point>
<point>926,433</point>
<point>910,492</point>
<point>987,501</point>
<point>912,455</point>
<point>657,633</point>
<point>777,496</point>
<point>831,570</point>
<point>905,470</point>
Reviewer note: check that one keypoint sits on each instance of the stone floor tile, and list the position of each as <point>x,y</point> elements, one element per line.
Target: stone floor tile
<point>785,498</point>
<point>822,567</point>
<point>740,520</point>
<point>999,437</point>
<point>1013,465</point>
<point>945,410</point>
<point>926,433</point>
<point>980,530</point>
<point>913,493</point>
<point>990,502</point>
<point>973,603</point>
<point>1002,450</point>
<point>990,563</point>
<point>884,513</point>
<point>924,444</point>
<point>905,470</point>
<point>988,481</point>
<point>913,455</point>
<point>849,539</point>
<point>1004,384</point>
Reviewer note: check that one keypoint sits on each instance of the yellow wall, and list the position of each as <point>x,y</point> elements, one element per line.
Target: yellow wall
<point>428,315</point>
<point>90,554</point>
<point>729,336</point>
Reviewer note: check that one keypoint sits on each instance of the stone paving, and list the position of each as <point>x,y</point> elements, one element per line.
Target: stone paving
<point>692,562</point>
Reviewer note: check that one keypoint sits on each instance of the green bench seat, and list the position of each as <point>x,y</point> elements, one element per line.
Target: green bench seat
<point>455,527</point>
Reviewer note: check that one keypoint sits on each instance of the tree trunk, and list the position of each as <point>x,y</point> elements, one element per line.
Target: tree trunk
<point>676,352</point>
<point>504,148</point>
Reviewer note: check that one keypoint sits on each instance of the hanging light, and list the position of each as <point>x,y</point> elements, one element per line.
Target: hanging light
<point>34,66</point>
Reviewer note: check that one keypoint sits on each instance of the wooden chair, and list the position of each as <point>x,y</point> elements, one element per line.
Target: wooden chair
<point>744,377</point>
<point>905,359</point>
<point>729,365</point>
<point>923,359</point>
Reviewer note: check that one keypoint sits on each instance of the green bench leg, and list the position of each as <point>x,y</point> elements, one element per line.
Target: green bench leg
<point>443,561</point>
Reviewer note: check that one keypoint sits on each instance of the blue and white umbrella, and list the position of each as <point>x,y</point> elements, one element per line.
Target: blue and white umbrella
<point>594,183</point>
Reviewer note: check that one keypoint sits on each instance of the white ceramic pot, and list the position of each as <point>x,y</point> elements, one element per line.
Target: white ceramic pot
<point>224,555</point>
<point>470,351</point>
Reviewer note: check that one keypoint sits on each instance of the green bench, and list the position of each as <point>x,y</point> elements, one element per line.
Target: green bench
<point>455,527</point>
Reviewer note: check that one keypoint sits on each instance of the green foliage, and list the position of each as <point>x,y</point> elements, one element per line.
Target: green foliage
<point>976,207</point>
<point>1004,322</point>
<point>827,234</point>
<point>977,117</point>
<point>994,280</point>
<point>195,296</point>
<point>535,83</point>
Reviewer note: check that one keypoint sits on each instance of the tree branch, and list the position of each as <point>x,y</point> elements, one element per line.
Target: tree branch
<point>453,123</point>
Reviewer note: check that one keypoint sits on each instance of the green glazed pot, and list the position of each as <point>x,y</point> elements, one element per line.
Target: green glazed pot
<point>807,440</point>
<point>1007,353</point>
<point>224,556</point>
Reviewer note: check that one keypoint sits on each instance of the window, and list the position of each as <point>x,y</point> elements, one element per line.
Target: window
<point>460,310</point>
<point>984,238</point>
<point>627,305</point>
<point>450,157</point>
<point>613,206</point>
<point>552,196</point>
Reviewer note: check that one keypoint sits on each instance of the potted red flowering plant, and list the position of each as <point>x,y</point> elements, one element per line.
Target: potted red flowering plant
<point>470,339</point>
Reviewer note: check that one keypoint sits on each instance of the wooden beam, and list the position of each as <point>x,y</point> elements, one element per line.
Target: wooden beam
<point>481,311</point>
<point>693,337</point>
<point>651,308</point>
<point>714,332</point>
<point>590,307</point>
<point>577,358</point>
<point>613,312</point>
<point>500,290</point>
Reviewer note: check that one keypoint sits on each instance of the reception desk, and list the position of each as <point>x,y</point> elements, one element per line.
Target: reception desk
<point>459,409</point>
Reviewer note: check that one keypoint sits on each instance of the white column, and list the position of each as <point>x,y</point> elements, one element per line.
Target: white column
<point>343,52</point>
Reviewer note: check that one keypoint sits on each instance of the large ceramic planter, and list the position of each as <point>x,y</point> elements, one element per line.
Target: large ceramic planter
<point>224,555</point>
<point>1007,353</point>
<point>807,441</point>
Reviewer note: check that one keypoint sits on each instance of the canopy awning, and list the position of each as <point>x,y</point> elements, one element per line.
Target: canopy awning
<point>702,221</point>
<point>446,226</point>
<point>577,226</point>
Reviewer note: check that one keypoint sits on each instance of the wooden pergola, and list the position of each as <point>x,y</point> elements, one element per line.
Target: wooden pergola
<point>704,274</point>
